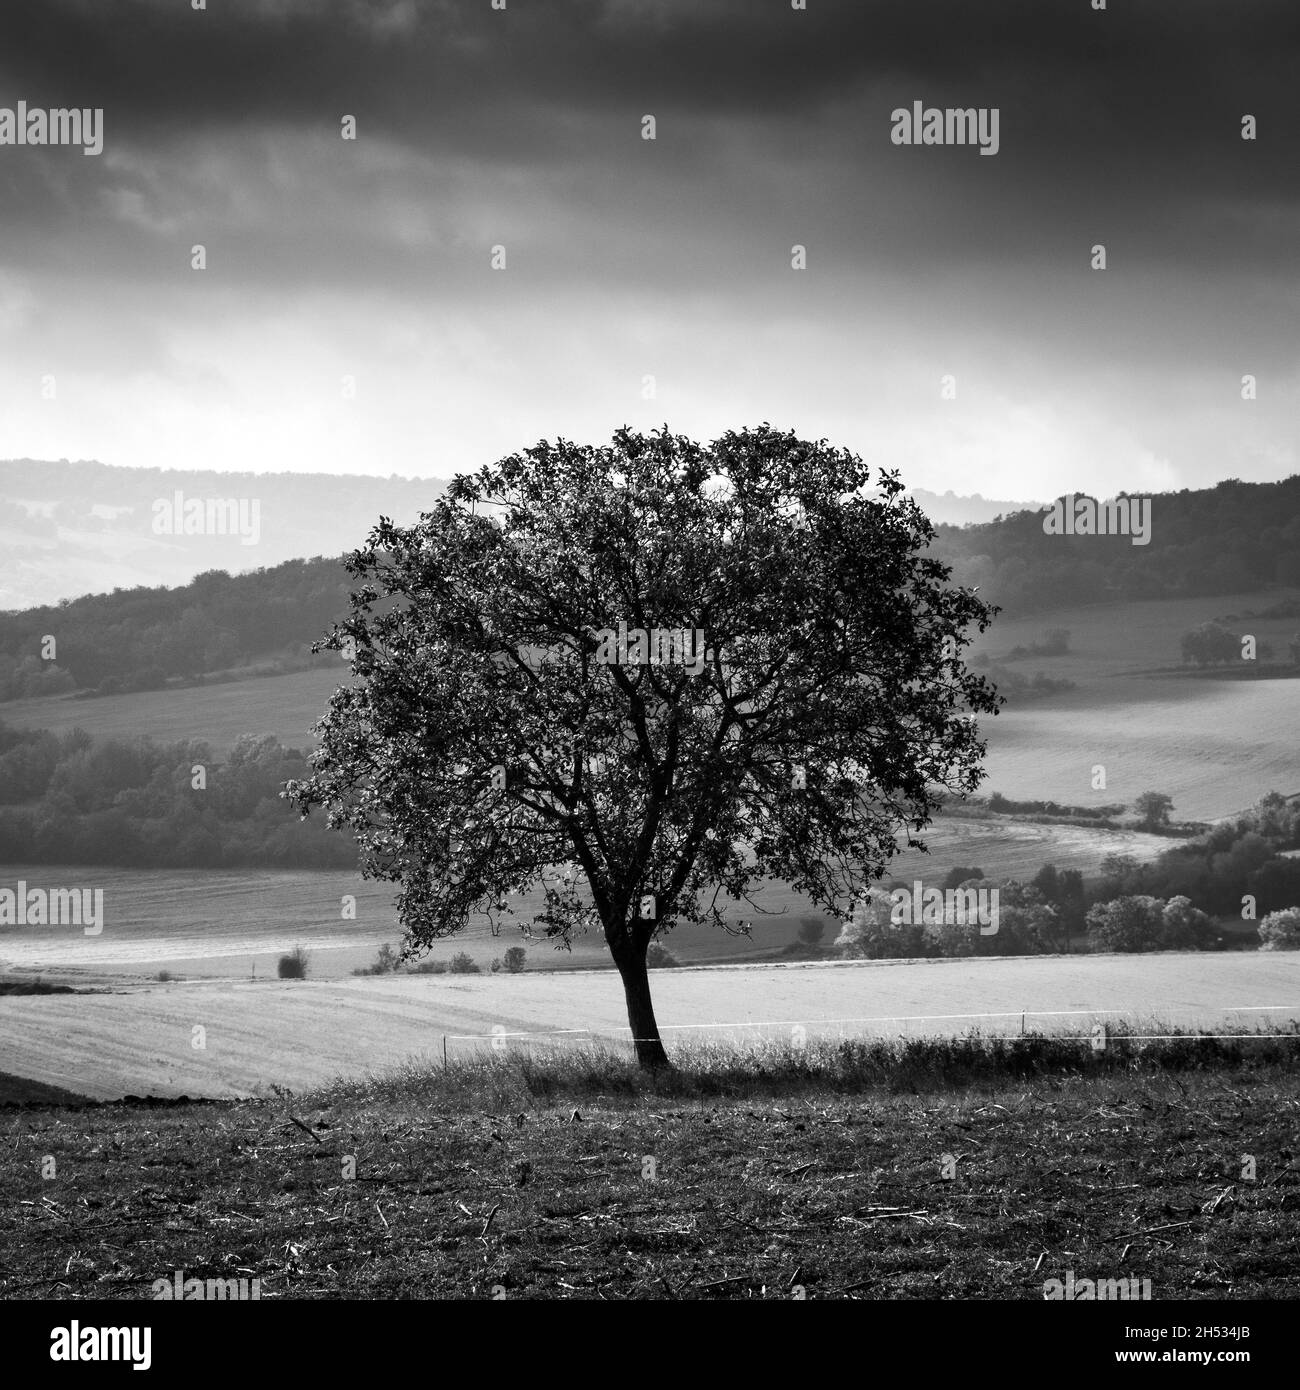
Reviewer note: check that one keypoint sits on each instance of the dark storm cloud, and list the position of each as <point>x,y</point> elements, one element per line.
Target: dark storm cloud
<point>1074,83</point>
<point>522,127</point>
<point>1123,125</point>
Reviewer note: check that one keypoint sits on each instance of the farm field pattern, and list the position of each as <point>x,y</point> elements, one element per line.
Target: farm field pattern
<point>1215,746</point>
<point>236,922</point>
<point>301,1033</point>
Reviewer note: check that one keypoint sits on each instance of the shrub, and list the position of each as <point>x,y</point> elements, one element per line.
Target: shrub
<point>495,967</point>
<point>811,930</point>
<point>1210,645</point>
<point>385,961</point>
<point>659,957</point>
<point>515,959</point>
<point>164,976</point>
<point>1280,931</point>
<point>462,963</point>
<point>428,967</point>
<point>294,965</point>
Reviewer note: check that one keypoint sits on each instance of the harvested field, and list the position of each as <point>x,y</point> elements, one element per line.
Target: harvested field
<point>255,1036</point>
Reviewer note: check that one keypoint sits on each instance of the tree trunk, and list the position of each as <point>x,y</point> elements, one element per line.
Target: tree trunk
<point>631,964</point>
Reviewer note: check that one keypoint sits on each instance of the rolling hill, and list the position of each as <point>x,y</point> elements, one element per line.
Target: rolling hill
<point>1213,744</point>
<point>73,528</point>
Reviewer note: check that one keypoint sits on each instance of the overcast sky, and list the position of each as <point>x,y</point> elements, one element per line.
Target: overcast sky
<point>627,258</point>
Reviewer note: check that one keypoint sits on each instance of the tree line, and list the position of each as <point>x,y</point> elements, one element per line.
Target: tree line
<point>69,799</point>
<point>138,639</point>
<point>1238,869</point>
<point>1233,538</point>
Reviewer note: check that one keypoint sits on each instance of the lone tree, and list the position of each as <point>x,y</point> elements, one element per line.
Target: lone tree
<point>647,674</point>
<point>1154,808</point>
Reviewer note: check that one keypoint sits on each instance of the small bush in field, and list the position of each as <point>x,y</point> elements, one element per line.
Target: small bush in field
<point>515,959</point>
<point>811,930</point>
<point>659,957</point>
<point>495,967</point>
<point>428,967</point>
<point>385,962</point>
<point>294,965</point>
<point>462,963</point>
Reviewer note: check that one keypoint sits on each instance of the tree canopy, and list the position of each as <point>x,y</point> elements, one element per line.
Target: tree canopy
<point>651,674</point>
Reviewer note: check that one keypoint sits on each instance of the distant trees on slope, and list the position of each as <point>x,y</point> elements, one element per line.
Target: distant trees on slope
<point>135,639</point>
<point>66,799</point>
<point>1233,538</point>
<point>1143,923</point>
<point>1239,869</point>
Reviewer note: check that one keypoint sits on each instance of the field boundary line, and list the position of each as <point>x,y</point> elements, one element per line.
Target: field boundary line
<point>1010,1037</point>
<point>874,1018</point>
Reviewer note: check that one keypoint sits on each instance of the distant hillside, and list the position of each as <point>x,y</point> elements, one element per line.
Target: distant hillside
<point>139,639</point>
<point>1233,539</point>
<point>72,528</point>
<point>1211,742</point>
<point>76,528</point>
<point>950,509</point>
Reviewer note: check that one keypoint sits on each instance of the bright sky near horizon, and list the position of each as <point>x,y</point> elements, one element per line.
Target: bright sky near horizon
<point>627,259</point>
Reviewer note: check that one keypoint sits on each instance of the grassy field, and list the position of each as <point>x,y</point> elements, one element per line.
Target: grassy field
<point>254,1036</point>
<point>910,1172</point>
<point>234,923</point>
<point>1132,641</point>
<point>286,706</point>
<point>1215,746</point>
